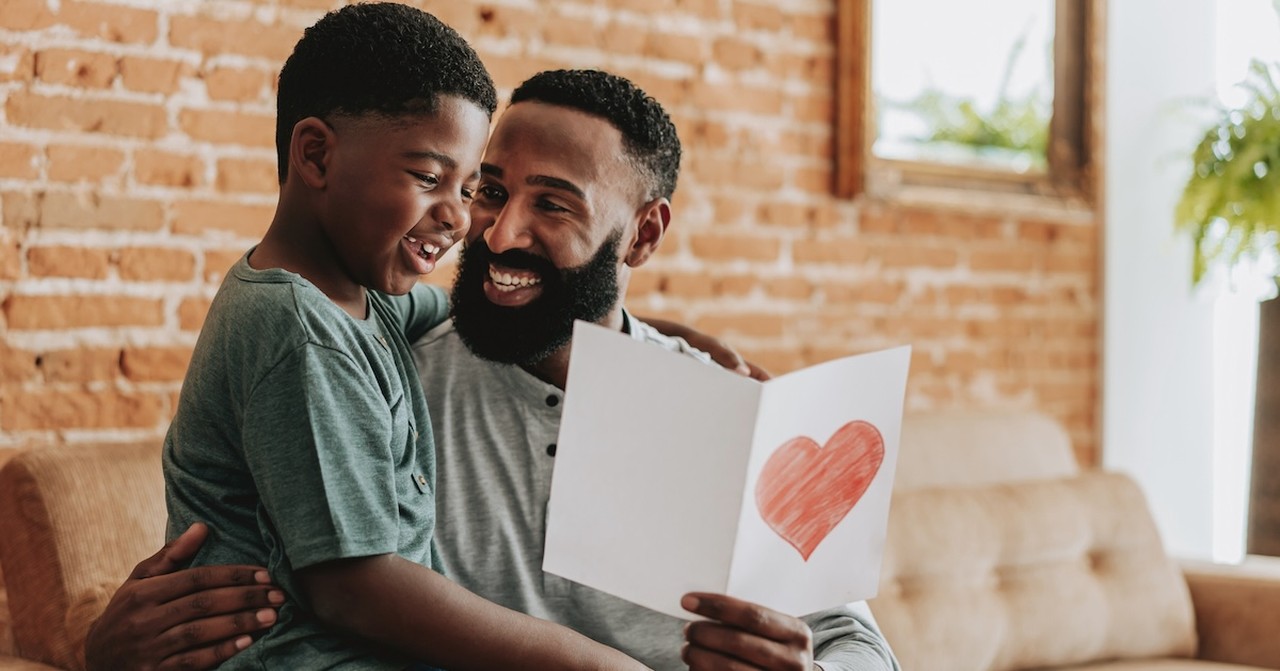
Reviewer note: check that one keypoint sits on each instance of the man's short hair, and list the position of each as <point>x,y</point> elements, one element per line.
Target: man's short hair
<point>648,136</point>
<point>381,58</point>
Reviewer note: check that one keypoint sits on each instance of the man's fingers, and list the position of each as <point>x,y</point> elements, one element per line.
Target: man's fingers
<point>174,555</point>
<point>207,637</point>
<point>702,659</point>
<point>205,658</point>
<point>748,617</point>
<point>757,373</point>
<point>165,588</point>
<point>737,644</point>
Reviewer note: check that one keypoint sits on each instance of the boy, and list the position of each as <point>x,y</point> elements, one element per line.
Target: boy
<point>301,435</point>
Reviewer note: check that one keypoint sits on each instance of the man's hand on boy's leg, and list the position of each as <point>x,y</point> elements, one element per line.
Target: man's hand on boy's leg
<point>166,617</point>
<point>744,635</point>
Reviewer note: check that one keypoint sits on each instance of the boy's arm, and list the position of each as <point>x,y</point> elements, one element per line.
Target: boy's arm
<point>405,606</point>
<point>720,352</point>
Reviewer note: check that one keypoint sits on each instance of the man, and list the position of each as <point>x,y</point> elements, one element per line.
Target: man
<point>575,193</point>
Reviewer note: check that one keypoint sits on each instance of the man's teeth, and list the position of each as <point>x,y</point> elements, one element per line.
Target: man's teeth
<point>509,282</point>
<point>424,248</point>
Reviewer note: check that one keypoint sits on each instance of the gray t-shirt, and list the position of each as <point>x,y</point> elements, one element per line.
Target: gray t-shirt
<point>302,437</point>
<point>496,426</point>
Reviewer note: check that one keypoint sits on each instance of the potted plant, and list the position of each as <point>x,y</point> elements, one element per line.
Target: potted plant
<point>1231,209</point>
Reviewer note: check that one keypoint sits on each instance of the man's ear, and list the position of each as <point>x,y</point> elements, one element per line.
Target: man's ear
<point>310,149</point>
<point>655,216</point>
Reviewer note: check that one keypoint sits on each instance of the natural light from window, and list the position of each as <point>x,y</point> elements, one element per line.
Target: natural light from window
<point>963,83</point>
<point>1247,29</point>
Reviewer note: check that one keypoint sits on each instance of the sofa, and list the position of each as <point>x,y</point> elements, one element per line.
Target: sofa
<point>1002,555</point>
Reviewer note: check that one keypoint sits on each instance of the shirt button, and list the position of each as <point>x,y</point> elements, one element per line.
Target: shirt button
<point>553,400</point>
<point>551,450</point>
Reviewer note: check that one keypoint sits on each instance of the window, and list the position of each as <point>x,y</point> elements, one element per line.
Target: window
<point>977,95</point>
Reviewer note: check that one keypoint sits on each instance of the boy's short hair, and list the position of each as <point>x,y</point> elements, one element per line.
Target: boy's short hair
<point>648,136</point>
<point>382,58</point>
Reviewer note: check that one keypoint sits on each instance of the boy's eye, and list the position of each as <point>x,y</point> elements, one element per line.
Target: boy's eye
<point>468,193</point>
<point>426,178</point>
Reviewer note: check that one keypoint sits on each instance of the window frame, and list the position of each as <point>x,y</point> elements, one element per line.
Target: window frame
<point>1069,156</point>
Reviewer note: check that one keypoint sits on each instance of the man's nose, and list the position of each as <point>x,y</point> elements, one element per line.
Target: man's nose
<point>508,230</point>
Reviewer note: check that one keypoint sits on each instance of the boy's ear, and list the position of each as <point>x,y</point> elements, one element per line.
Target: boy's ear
<point>655,216</point>
<point>310,148</point>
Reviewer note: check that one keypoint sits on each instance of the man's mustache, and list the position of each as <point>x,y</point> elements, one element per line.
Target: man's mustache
<point>514,259</point>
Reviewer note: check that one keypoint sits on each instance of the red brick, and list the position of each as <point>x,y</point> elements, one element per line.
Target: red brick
<point>688,284</point>
<point>249,38</point>
<point>151,264</point>
<point>21,211</point>
<point>66,261</point>
<point>572,32</point>
<point>81,311</point>
<point>112,117</point>
<point>197,217</point>
<point>706,9</point>
<point>839,251</point>
<point>81,364</point>
<point>625,39</point>
<point>155,364</point>
<point>861,293</point>
<point>998,260</point>
<point>733,53</point>
<point>17,64</point>
<point>680,48</point>
<point>819,28</point>
<point>113,22</point>
<point>163,168</point>
<point>221,127</point>
<point>764,101</point>
<point>80,409</point>
<point>90,210</point>
<point>16,365</point>
<point>248,175</point>
<point>89,69</point>
<point>191,313</point>
<point>10,259</point>
<point>909,254</point>
<point>20,161</point>
<point>788,288</point>
<point>241,85</point>
<point>719,247</point>
<point>26,15</point>
<point>151,75</point>
<point>508,21</point>
<point>818,181</point>
<point>747,325</point>
<point>218,261</point>
<point>1072,262</point>
<point>72,163</point>
<point>763,16</point>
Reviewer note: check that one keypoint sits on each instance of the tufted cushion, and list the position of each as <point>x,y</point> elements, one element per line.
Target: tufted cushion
<point>981,447</point>
<point>73,523</point>
<point>1025,575</point>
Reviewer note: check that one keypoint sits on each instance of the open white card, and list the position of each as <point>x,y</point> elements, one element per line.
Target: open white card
<point>674,476</point>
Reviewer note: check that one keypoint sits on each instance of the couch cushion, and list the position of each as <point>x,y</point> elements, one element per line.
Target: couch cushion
<point>980,447</point>
<point>73,523</point>
<point>1024,575</point>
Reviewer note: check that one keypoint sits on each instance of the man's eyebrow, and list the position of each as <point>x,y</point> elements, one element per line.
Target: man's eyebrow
<point>556,183</point>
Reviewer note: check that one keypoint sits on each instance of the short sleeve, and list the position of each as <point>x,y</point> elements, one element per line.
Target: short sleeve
<point>317,438</point>
<point>420,310</point>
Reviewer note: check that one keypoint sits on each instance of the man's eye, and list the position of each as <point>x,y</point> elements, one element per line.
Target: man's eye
<point>550,206</point>
<point>490,192</point>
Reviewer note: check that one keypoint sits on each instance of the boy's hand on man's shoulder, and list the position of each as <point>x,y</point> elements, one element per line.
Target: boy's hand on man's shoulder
<point>166,617</point>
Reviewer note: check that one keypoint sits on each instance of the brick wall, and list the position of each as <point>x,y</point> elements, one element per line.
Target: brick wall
<point>136,165</point>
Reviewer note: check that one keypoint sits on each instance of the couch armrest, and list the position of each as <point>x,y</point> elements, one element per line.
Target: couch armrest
<point>1237,610</point>
<point>8,663</point>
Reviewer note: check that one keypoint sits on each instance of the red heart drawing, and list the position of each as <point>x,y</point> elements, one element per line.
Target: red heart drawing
<point>805,490</point>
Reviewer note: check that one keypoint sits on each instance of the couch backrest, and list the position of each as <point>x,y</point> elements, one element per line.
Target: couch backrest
<point>978,447</point>
<point>73,523</point>
<point>1030,574</point>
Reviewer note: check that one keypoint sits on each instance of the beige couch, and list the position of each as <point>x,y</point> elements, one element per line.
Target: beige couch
<point>1000,556</point>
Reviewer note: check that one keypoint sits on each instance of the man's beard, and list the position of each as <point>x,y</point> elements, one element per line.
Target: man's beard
<point>529,333</point>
